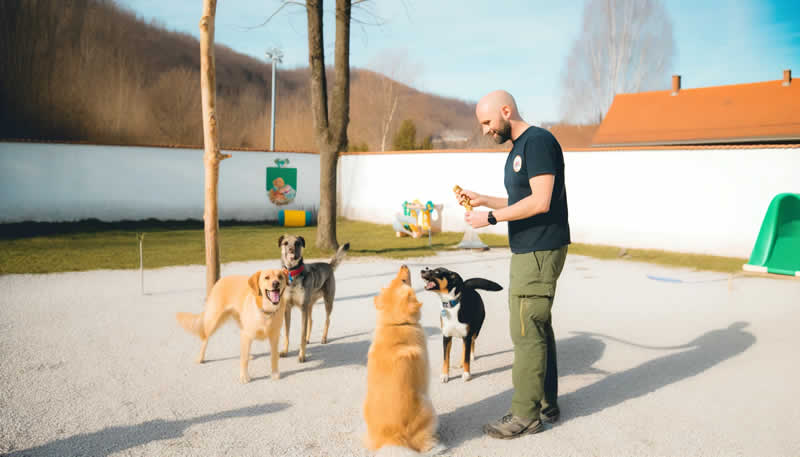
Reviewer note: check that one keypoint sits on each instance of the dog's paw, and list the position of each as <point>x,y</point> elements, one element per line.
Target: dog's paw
<point>324,340</point>
<point>275,376</point>
<point>301,358</point>
<point>198,359</point>
<point>244,378</point>
<point>444,378</point>
<point>466,376</point>
<point>283,353</point>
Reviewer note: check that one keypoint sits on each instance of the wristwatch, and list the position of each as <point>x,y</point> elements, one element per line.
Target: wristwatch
<point>492,219</point>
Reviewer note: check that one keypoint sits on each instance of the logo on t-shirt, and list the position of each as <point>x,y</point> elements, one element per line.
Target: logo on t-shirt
<point>517,163</point>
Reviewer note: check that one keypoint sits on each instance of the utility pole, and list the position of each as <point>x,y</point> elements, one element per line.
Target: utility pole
<point>277,57</point>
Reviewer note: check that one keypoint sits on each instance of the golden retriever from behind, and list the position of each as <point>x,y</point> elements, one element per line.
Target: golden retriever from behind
<point>398,410</point>
<point>257,303</point>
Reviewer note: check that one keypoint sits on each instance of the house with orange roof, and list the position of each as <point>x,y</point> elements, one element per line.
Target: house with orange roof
<point>741,114</point>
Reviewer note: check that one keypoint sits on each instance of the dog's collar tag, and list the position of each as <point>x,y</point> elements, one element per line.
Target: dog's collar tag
<point>292,274</point>
<point>450,304</point>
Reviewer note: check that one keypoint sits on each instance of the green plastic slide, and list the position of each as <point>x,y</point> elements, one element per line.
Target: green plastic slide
<point>777,249</point>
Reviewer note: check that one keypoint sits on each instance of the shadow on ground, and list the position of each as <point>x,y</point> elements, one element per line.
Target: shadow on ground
<point>577,354</point>
<point>111,440</point>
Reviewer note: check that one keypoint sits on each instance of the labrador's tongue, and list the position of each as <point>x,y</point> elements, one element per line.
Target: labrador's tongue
<point>273,296</point>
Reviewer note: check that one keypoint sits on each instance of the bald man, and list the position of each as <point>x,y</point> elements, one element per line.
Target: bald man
<point>538,233</point>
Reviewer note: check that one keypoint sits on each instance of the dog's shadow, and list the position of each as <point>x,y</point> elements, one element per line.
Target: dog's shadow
<point>577,354</point>
<point>333,354</point>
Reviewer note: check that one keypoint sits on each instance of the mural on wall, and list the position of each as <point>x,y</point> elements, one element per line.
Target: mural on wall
<point>281,183</point>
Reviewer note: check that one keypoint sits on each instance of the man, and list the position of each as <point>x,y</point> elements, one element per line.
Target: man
<point>538,233</point>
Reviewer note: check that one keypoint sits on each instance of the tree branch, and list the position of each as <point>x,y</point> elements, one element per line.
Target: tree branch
<point>285,3</point>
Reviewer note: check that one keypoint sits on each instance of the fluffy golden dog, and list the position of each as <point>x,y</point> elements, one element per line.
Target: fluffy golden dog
<point>257,304</point>
<point>398,410</point>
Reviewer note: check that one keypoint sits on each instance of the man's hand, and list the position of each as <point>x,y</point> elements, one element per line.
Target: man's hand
<point>475,199</point>
<point>477,219</point>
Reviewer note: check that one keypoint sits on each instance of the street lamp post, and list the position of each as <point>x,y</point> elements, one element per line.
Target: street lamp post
<point>277,57</point>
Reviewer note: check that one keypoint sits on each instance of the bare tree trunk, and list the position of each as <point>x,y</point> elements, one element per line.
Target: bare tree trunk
<point>212,156</point>
<point>330,133</point>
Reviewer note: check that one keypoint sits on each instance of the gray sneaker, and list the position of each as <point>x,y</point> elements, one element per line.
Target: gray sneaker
<point>550,415</point>
<point>510,427</point>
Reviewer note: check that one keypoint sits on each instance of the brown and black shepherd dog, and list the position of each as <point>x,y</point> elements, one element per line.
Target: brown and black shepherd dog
<point>398,410</point>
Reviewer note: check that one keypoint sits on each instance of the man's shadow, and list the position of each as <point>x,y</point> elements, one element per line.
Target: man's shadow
<point>111,440</point>
<point>700,354</point>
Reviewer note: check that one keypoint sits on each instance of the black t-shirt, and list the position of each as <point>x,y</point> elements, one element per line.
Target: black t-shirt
<point>537,152</point>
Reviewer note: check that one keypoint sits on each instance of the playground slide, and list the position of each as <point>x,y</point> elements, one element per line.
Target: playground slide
<point>777,249</point>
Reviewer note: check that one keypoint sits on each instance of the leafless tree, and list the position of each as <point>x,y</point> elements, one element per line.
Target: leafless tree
<point>330,126</point>
<point>625,46</point>
<point>212,156</point>
<point>393,69</point>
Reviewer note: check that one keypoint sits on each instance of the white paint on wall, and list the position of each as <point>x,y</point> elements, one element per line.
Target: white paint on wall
<point>694,200</point>
<point>69,182</point>
<point>709,201</point>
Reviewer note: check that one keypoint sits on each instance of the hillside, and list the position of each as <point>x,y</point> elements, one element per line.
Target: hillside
<point>89,70</point>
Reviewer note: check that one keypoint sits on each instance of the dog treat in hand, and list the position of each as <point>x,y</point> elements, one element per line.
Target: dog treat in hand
<point>463,200</point>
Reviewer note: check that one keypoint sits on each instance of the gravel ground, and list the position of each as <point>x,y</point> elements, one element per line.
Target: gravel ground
<point>648,367</point>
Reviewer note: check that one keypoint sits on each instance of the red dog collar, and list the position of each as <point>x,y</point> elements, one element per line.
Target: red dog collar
<point>292,274</point>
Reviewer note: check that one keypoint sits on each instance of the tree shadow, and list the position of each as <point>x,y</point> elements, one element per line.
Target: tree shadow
<point>578,354</point>
<point>111,440</point>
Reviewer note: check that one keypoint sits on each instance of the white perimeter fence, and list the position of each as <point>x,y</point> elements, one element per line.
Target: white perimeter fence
<point>703,200</point>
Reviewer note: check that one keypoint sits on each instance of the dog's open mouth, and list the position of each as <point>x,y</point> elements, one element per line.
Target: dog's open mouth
<point>431,285</point>
<point>274,296</point>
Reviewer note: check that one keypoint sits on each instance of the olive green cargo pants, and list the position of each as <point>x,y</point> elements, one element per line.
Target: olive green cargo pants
<point>534,373</point>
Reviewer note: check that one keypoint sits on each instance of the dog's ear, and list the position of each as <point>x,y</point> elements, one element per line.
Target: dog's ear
<point>302,241</point>
<point>456,283</point>
<point>284,275</point>
<point>253,283</point>
<point>280,240</point>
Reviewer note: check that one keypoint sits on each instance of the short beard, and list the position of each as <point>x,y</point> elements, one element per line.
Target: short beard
<point>503,134</point>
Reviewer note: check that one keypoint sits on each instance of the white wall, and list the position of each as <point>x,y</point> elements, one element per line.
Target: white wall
<point>696,200</point>
<point>58,182</point>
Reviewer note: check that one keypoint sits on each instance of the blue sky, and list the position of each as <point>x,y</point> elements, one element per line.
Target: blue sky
<point>464,48</point>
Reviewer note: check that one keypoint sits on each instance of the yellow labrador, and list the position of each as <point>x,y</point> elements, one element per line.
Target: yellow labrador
<point>258,305</point>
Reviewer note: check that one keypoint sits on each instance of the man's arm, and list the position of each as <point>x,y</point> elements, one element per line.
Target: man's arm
<point>496,202</point>
<point>536,203</point>
<point>476,199</point>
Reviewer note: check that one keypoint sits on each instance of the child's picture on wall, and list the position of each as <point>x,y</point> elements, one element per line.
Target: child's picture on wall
<point>281,183</point>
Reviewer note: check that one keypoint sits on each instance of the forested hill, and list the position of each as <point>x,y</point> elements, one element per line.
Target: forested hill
<point>90,70</point>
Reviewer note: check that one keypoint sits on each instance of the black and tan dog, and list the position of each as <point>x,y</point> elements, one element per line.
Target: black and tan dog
<point>307,284</point>
<point>462,312</point>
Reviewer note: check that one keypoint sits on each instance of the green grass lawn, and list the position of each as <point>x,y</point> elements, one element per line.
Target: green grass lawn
<point>47,248</point>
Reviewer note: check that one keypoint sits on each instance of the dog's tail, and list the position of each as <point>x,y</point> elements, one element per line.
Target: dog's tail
<point>485,284</point>
<point>192,323</point>
<point>337,258</point>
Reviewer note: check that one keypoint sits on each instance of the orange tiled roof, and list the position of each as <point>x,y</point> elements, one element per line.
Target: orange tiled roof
<point>742,113</point>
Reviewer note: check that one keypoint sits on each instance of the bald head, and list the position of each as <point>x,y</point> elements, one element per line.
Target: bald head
<point>498,115</point>
<point>496,102</point>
